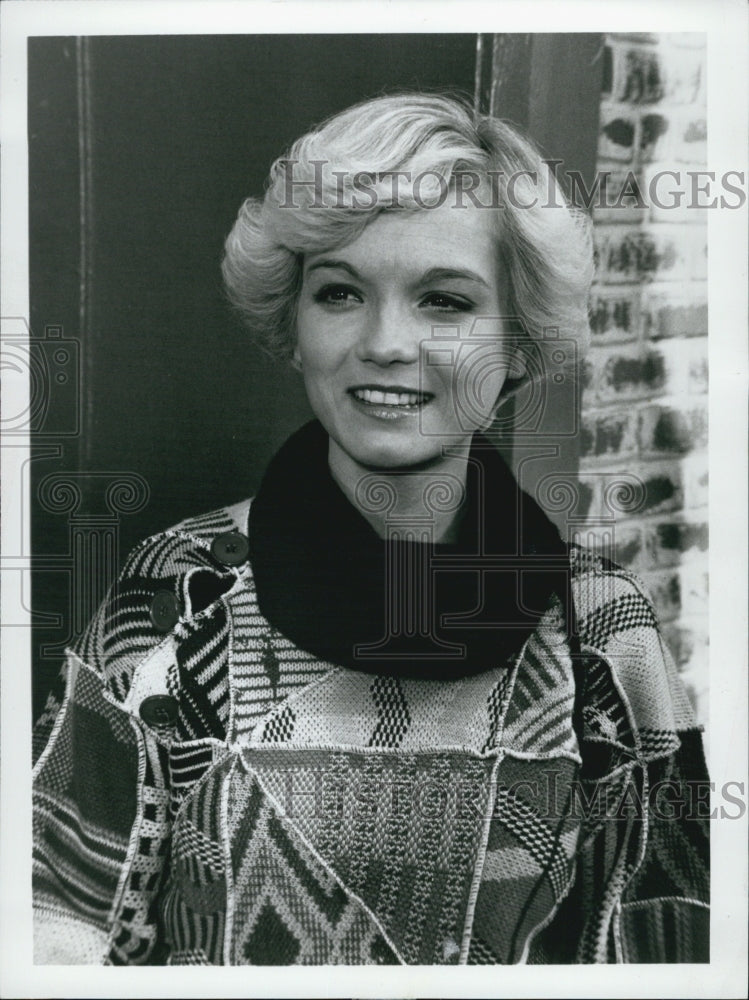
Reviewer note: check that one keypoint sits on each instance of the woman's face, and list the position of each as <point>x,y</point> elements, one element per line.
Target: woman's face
<point>400,336</point>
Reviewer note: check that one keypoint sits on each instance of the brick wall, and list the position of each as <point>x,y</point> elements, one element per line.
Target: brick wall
<point>644,400</point>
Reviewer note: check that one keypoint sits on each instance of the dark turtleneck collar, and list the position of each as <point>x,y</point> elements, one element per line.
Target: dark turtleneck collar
<point>329,583</point>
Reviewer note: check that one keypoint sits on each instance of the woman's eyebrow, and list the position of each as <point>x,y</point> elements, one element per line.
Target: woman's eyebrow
<point>340,265</point>
<point>433,274</point>
<point>448,273</point>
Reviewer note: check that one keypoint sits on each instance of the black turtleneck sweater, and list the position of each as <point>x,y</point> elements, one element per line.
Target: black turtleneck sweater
<point>327,581</point>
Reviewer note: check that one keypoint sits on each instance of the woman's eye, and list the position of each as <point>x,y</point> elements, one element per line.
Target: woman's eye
<point>337,295</point>
<point>443,302</point>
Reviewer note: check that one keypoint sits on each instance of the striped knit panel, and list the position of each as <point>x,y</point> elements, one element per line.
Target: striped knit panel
<point>44,725</point>
<point>666,930</point>
<point>613,800</point>
<point>670,891</point>
<point>538,719</point>
<point>401,831</point>
<point>122,633</point>
<point>188,763</point>
<point>677,860</point>
<point>530,857</point>
<point>202,652</point>
<point>609,797</point>
<point>85,804</point>
<point>265,667</point>
<point>612,838</point>
<point>193,908</point>
<point>609,839</point>
<point>617,620</point>
<point>653,724</point>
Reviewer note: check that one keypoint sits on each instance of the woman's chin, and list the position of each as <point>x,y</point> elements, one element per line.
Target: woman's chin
<point>398,444</point>
<point>393,455</point>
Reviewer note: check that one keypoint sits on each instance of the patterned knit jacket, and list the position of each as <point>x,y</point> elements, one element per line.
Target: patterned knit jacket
<point>289,810</point>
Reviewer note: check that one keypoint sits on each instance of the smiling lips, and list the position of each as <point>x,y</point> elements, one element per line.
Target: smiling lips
<point>390,396</point>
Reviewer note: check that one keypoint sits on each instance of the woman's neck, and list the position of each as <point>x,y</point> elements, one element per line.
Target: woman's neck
<point>425,503</point>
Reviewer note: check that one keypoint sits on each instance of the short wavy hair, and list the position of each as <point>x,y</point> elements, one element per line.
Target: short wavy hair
<point>338,177</point>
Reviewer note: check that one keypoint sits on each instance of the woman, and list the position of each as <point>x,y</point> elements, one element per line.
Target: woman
<point>381,714</point>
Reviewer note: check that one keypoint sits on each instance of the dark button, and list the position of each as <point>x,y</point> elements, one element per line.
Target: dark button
<point>159,710</point>
<point>231,549</point>
<point>164,611</point>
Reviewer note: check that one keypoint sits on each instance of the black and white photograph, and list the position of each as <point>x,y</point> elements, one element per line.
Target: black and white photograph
<point>374,454</point>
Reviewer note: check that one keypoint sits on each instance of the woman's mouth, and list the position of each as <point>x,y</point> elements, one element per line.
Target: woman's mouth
<point>390,402</point>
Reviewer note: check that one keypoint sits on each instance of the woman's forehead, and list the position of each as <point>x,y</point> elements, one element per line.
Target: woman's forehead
<point>449,237</point>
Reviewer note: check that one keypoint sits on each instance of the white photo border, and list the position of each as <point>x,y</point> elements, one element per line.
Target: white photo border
<point>725,24</point>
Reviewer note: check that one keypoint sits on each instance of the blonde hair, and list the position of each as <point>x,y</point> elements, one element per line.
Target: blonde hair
<point>338,177</point>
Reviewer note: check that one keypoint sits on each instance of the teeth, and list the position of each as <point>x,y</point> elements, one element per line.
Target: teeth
<point>389,398</point>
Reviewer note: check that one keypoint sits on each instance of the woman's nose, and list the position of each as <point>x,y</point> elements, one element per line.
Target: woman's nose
<point>388,336</point>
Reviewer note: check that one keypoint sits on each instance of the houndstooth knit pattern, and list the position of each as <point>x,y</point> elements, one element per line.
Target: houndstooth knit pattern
<point>300,812</point>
